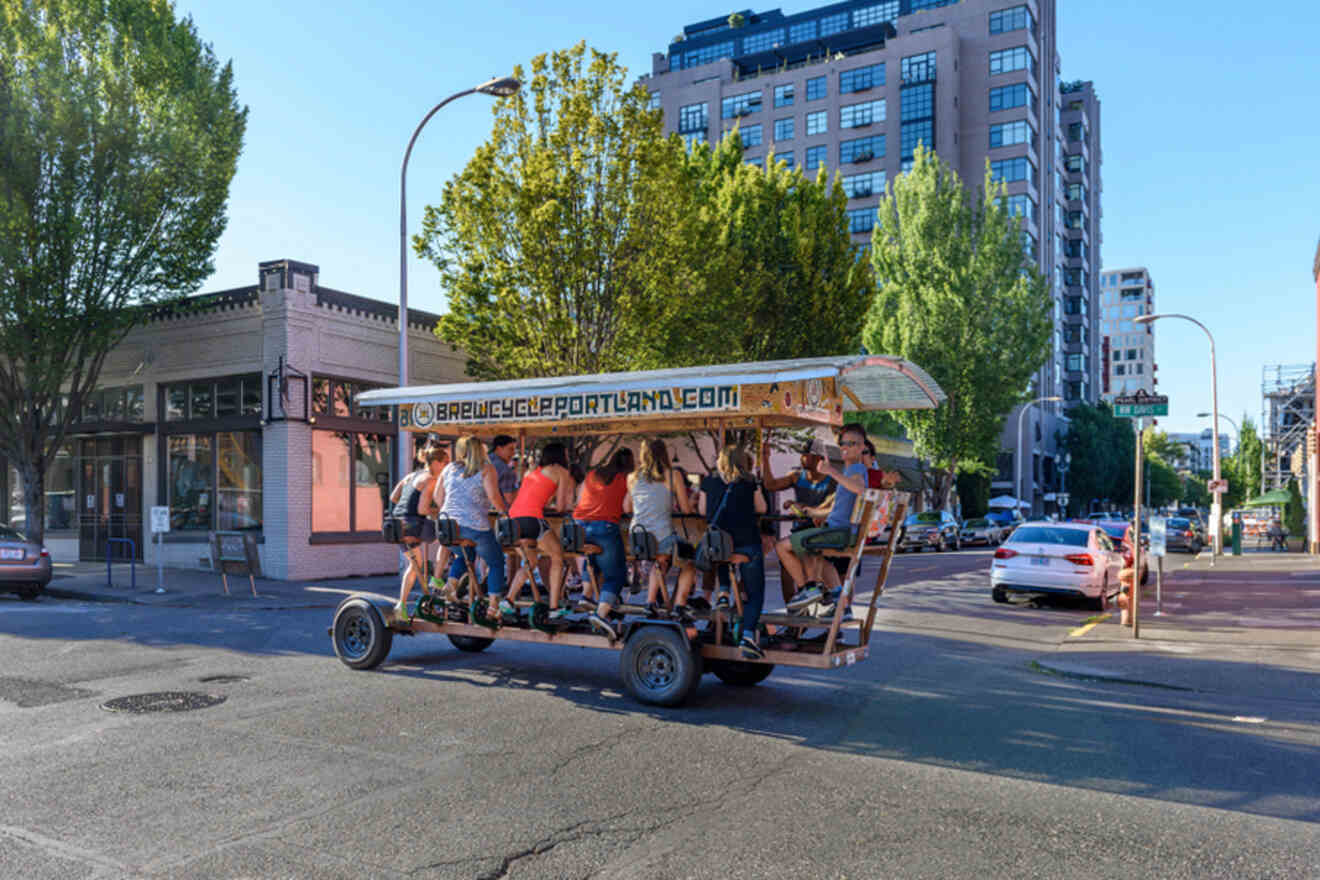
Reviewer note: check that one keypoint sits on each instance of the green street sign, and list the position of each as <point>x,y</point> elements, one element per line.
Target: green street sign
<point>1140,405</point>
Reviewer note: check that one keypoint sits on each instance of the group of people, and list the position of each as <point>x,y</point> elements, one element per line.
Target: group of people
<point>658,496</point>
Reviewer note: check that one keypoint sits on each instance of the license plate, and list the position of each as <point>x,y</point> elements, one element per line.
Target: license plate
<point>1040,560</point>
<point>6,553</point>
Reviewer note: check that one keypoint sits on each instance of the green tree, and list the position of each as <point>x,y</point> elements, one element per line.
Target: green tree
<point>1158,444</point>
<point>1294,512</point>
<point>1165,485</point>
<point>1242,468</point>
<point>1103,449</point>
<point>958,294</point>
<point>119,136</point>
<point>1195,493</point>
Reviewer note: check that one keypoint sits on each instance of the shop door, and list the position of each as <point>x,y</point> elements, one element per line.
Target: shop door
<point>110,496</point>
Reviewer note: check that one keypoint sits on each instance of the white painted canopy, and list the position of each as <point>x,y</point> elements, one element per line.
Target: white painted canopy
<point>868,382</point>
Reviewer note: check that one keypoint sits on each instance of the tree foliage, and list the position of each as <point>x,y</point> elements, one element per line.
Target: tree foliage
<point>1103,450</point>
<point>1242,468</point>
<point>958,294</point>
<point>119,136</point>
<point>1294,512</point>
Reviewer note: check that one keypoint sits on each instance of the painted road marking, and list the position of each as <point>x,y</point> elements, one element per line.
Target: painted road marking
<point>1083,630</point>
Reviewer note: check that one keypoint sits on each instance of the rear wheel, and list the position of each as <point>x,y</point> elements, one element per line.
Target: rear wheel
<point>360,636</point>
<point>1098,603</point>
<point>740,673</point>
<point>29,594</point>
<point>659,667</point>
<point>998,594</point>
<point>470,644</point>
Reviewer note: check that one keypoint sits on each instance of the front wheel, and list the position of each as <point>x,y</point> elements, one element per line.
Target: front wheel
<point>360,636</point>
<point>29,594</point>
<point>659,667</point>
<point>740,673</point>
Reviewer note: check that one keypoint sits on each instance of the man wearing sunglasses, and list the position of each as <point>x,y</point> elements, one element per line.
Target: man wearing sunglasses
<point>797,551</point>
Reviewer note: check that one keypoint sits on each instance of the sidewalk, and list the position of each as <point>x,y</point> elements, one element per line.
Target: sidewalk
<point>191,588</point>
<point>1248,624</point>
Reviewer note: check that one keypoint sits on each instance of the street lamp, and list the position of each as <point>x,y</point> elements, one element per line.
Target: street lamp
<point>499,87</point>
<point>1216,508</point>
<point>1017,457</point>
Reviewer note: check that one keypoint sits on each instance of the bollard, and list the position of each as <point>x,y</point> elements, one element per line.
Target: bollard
<point>132,561</point>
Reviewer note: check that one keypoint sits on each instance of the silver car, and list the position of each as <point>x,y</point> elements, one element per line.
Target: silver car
<point>24,565</point>
<point>982,531</point>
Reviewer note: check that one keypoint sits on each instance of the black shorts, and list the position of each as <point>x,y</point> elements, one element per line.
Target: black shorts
<point>530,527</point>
<point>419,528</point>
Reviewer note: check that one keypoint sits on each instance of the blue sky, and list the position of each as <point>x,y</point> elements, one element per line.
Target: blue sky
<point>1209,132</point>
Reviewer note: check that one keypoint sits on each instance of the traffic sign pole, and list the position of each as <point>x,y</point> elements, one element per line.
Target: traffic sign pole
<point>1136,541</point>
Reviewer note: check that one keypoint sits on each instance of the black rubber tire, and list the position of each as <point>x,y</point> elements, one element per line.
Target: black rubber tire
<point>659,666</point>
<point>998,595</point>
<point>470,644</point>
<point>1098,603</point>
<point>740,673</point>
<point>29,594</point>
<point>1145,575</point>
<point>360,637</point>
<point>941,546</point>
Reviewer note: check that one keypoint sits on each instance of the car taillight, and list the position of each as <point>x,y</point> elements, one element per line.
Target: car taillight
<point>1187,534</point>
<point>44,553</point>
<point>1005,553</point>
<point>1080,559</point>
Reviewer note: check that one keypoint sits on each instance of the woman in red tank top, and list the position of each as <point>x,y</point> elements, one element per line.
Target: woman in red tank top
<point>603,502</point>
<point>551,481</point>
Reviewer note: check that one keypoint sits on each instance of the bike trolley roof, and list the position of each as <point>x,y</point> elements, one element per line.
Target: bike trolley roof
<point>802,392</point>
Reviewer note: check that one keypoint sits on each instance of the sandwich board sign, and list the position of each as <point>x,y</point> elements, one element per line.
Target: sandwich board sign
<point>1141,404</point>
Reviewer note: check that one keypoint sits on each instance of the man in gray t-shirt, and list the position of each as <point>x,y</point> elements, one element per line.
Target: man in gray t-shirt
<point>502,449</point>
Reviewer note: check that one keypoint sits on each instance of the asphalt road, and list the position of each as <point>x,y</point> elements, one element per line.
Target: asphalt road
<point>946,755</point>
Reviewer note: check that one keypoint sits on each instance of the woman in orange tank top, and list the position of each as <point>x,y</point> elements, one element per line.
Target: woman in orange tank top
<point>602,504</point>
<point>551,481</point>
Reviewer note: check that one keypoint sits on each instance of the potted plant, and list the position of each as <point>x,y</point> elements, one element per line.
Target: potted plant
<point>737,20</point>
<point>1294,519</point>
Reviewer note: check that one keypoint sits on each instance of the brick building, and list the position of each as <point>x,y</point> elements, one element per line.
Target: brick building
<point>238,415</point>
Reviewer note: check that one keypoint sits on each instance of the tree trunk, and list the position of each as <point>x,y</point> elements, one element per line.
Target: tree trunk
<point>34,498</point>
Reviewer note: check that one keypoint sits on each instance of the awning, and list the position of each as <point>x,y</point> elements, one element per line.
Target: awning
<point>1272,498</point>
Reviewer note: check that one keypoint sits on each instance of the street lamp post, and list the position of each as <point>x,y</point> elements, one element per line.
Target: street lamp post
<point>1236,429</point>
<point>1216,508</point>
<point>500,87</point>
<point>1017,458</point>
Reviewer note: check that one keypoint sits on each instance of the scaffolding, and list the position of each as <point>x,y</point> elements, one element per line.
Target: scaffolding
<point>1287,409</point>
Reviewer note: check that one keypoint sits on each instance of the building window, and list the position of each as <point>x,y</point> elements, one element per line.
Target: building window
<point>786,158</point>
<point>815,158</point>
<point>1012,170</point>
<point>833,24</point>
<point>350,481</point>
<point>1074,305</point>
<point>784,129</point>
<point>1076,192</point>
<point>1020,205</point>
<point>213,398</point>
<point>1006,134</point>
<point>706,54</point>
<point>802,31</point>
<point>784,95</point>
<point>692,138</point>
<point>1016,19</point>
<point>60,504</point>
<point>1072,220</point>
<point>740,105</point>
<point>1008,97</point>
<point>337,397</point>
<point>818,122</point>
<point>869,15</point>
<point>916,133</point>
<point>1072,247</point>
<point>1072,277</point>
<point>861,78</point>
<point>654,103</point>
<point>917,102</point>
<point>861,220</point>
<point>214,481</point>
<point>919,68</point>
<point>1076,363</point>
<point>763,41</point>
<point>751,135</point>
<point>858,115</point>
<point>118,405</point>
<point>817,88</point>
<point>1076,131</point>
<point>862,149</point>
<point>1120,370</point>
<point>1009,60</point>
<point>1073,163</point>
<point>755,162</point>
<point>693,117</point>
<point>859,186</point>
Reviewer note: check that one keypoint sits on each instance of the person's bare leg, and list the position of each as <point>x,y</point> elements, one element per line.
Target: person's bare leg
<point>687,579</point>
<point>792,565</point>
<point>410,574</point>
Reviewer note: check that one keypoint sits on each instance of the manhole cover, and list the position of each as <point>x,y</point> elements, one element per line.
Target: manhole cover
<point>164,701</point>
<point>222,679</point>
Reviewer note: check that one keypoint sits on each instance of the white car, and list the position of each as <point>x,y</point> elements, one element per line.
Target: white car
<point>1060,559</point>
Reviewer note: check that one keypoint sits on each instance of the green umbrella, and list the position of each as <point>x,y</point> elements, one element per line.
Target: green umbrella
<point>1272,498</point>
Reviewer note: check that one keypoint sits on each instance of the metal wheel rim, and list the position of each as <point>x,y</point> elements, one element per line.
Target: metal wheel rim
<point>657,667</point>
<point>356,635</point>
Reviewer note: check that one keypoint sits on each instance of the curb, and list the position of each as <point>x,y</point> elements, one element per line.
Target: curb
<point>1090,673</point>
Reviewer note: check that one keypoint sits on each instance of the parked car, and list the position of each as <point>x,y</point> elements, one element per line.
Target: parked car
<point>1120,533</point>
<point>982,530</point>
<point>1182,534</point>
<point>24,564</point>
<point>1064,559</point>
<point>932,528</point>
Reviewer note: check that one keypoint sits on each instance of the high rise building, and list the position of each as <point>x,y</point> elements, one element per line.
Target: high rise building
<point>978,82</point>
<point>1127,349</point>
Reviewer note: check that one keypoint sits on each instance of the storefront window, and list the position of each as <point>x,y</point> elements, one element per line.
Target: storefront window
<point>191,481</point>
<point>227,393</point>
<point>17,509</point>
<point>335,506</point>
<point>61,502</point>
<point>176,403</point>
<point>238,480</point>
<point>330,497</point>
<point>210,399</point>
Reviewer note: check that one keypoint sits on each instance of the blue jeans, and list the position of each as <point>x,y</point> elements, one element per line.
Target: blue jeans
<point>612,561</point>
<point>491,554</point>
<point>752,576</point>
